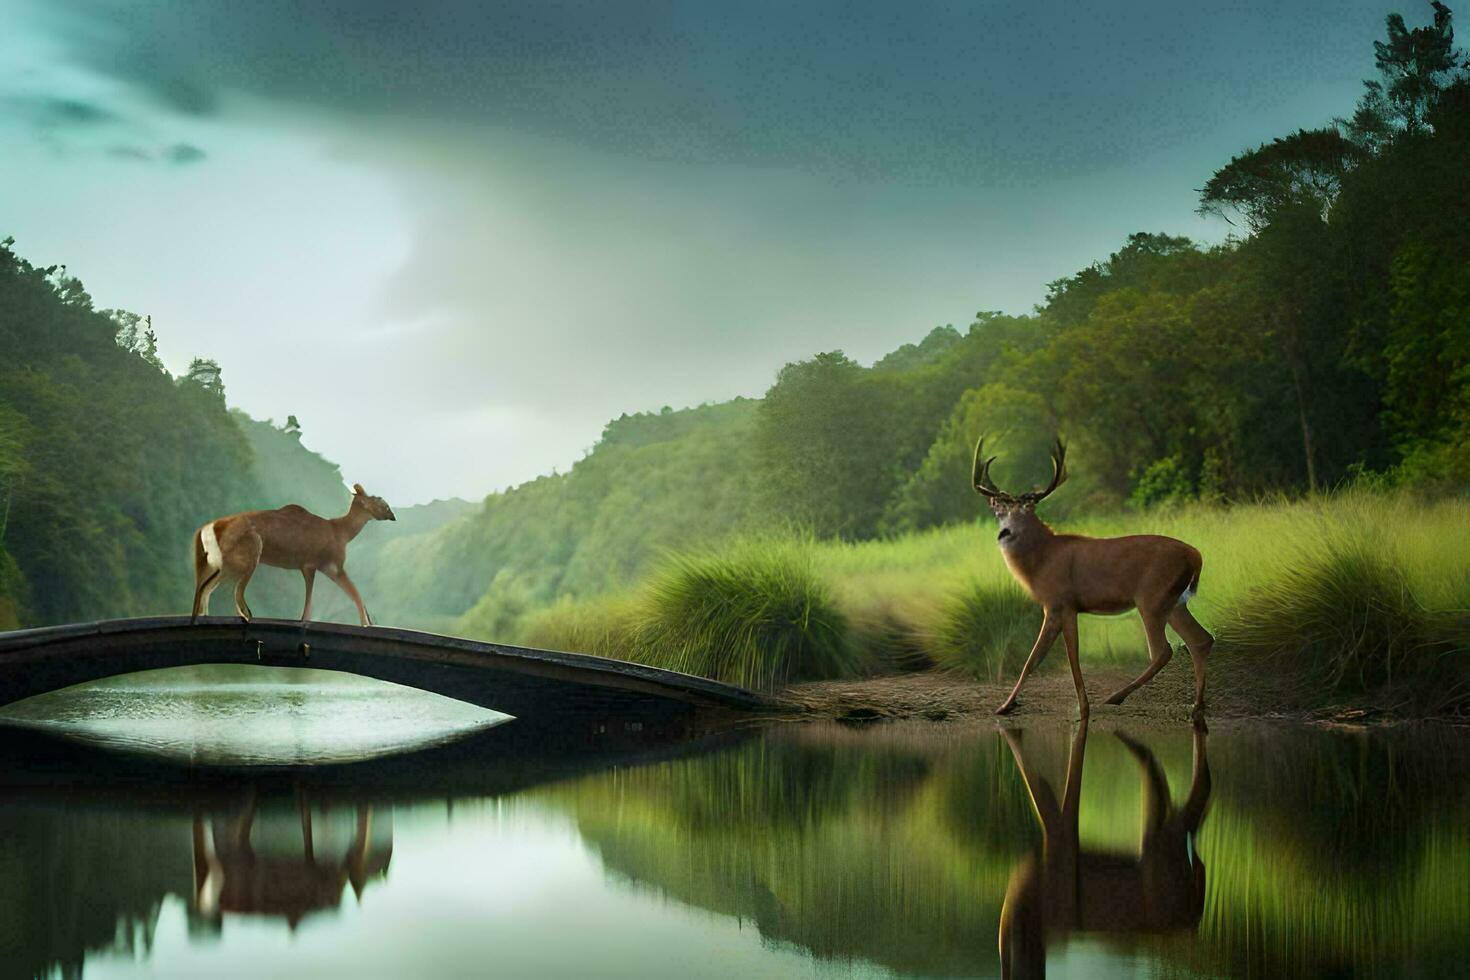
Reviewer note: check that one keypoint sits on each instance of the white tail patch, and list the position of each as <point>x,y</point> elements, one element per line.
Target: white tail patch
<point>1186,595</point>
<point>212,554</point>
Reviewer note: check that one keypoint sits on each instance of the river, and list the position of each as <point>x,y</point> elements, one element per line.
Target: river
<point>240,828</point>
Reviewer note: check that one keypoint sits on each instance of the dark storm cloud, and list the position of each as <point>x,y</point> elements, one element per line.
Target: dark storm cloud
<point>981,92</point>
<point>68,124</point>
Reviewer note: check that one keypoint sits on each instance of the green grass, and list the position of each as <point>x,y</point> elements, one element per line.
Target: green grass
<point>605,626</point>
<point>986,628</point>
<point>755,613</point>
<point>1348,592</point>
<point>1343,610</point>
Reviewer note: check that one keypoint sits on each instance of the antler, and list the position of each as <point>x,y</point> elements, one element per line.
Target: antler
<point>1058,473</point>
<point>980,473</point>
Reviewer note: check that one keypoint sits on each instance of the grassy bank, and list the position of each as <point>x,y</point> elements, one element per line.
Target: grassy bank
<point>756,612</point>
<point>1355,592</point>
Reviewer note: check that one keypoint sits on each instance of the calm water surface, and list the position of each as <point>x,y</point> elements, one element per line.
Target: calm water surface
<point>936,850</point>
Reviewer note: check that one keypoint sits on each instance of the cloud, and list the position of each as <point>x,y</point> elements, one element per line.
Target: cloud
<point>69,124</point>
<point>72,112</point>
<point>124,151</point>
<point>976,94</point>
<point>49,113</point>
<point>184,153</point>
<point>493,226</point>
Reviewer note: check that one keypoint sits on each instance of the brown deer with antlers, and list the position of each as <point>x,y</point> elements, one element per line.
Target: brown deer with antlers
<point>1071,573</point>
<point>288,537</point>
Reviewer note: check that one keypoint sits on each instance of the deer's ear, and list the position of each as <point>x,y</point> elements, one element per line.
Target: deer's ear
<point>357,489</point>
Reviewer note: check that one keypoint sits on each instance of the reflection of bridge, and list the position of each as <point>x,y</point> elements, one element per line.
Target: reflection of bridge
<point>132,821</point>
<point>530,684</point>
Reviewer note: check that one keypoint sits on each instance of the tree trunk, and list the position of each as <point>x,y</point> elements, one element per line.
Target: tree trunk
<point>1301,412</point>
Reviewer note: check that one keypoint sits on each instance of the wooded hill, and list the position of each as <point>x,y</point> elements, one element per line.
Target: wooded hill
<point>108,464</point>
<point>1326,340</point>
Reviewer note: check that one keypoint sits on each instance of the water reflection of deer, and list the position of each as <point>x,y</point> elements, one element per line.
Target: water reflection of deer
<point>230,876</point>
<point>1161,889</point>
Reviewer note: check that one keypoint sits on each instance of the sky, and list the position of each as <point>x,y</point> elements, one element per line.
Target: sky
<point>455,238</point>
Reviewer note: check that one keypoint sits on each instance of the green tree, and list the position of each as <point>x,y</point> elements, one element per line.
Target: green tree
<point>820,447</point>
<point>1415,67</point>
<point>1304,169</point>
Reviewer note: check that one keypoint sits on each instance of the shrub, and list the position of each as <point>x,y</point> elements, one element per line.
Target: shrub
<point>756,613</point>
<point>1344,613</point>
<point>986,629</point>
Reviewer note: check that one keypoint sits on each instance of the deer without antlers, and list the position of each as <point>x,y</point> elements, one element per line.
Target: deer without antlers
<point>1071,573</point>
<point>289,537</point>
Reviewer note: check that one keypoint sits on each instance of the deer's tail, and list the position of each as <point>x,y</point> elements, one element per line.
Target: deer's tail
<point>1191,588</point>
<point>209,563</point>
<point>207,553</point>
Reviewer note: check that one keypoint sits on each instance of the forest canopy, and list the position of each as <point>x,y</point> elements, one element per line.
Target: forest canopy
<point>1327,339</point>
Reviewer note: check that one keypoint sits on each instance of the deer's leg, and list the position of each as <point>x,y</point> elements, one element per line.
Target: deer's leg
<point>1072,795</point>
<point>310,575</point>
<point>203,587</point>
<point>204,573</point>
<point>201,854</point>
<point>307,844</point>
<point>1200,642</point>
<point>1069,636</point>
<point>356,857</point>
<point>1043,798</point>
<point>340,577</point>
<point>1050,627</point>
<point>244,557</point>
<point>241,606</point>
<point>1159,653</point>
<point>1193,810</point>
<point>245,822</point>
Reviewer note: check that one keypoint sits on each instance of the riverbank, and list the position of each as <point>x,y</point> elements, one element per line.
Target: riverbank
<point>1347,602</point>
<point>1234,696</point>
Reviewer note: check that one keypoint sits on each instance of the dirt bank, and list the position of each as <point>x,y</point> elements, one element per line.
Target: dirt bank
<point>939,696</point>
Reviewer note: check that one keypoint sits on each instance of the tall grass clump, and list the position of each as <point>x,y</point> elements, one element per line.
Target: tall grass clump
<point>985,629</point>
<point>1343,611</point>
<point>756,613</point>
<point>605,626</point>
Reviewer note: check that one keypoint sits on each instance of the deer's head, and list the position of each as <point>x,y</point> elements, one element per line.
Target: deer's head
<point>1016,512</point>
<point>376,507</point>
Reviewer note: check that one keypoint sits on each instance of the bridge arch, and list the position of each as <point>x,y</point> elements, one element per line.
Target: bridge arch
<point>537,686</point>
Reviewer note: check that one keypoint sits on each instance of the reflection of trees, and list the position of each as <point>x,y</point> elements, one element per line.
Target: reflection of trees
<point>1353,802</point>
<point>88,880</point>
<point>862,866</point>
<point>903,848</point>
<point>894,844</point>
<point>1340,854</point>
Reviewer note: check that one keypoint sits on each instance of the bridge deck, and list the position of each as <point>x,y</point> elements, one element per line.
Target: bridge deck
<point>537,685</point>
